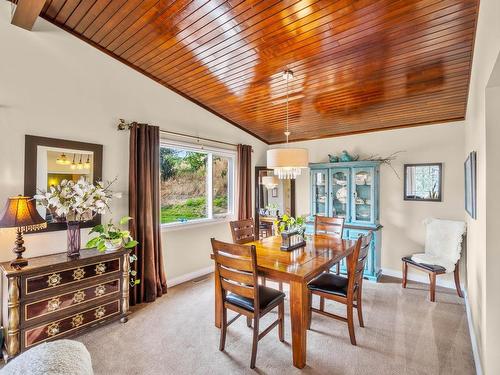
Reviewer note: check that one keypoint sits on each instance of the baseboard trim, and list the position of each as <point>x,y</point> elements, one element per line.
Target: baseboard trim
<point>189,276</point>
<point>423,278</point>
<point>472,334</point>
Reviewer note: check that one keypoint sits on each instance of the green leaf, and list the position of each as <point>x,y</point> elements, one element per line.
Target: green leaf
<point>101,246</point>
<point>131,244</point>
<point>137,282</point>
<point>93,242</point>
<point>97,229</point>
<point>124,220</point>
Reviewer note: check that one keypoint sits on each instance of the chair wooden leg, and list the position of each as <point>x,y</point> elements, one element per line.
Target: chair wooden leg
<point>281,324</point>
<point>321,303</point>
<point>255,341</point>
<point>432,280</point>
<point>457,281</point>
<point>359,305</point>
<point>405,274</point>
<point>350,323</point>
<point>338,268</point>
<point>280,286</point>
<point>223,330</point>
<point>249,322</point>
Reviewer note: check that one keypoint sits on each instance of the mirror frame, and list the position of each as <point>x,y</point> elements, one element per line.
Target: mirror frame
<point>31,144</point>
<point>440,199</point>
<point>257,198</point>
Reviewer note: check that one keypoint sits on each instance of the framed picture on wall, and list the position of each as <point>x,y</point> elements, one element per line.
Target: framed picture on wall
<point>470,184</point>
<point>275,193</point>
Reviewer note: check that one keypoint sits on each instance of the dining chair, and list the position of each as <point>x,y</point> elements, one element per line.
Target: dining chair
<point>443,245</point>
<point>333,226</point>
<point>345,290</point>
<point>243,231</point>
<point>237,269</point>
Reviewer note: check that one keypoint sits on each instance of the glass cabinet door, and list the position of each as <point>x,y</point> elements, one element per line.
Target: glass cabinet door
<point>319,193</point>
<point>363,180</point>
<point>340,193</point>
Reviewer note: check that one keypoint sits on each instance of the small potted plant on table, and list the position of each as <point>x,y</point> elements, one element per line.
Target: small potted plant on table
<point>292,232</point>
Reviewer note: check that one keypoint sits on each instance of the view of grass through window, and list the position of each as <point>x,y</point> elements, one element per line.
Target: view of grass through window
<point>184,185</point>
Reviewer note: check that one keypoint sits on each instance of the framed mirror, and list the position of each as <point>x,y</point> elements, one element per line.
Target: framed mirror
<point>273,199</point>
<point>48,161</point>
<point>423,182</point>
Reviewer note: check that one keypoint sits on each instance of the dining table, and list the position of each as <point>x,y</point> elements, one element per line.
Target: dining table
<point>296,268</point>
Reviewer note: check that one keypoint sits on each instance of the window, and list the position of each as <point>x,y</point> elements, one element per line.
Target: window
<point>195,184</point>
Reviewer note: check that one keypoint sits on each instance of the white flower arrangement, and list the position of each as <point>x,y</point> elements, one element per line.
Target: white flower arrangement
<point>76,201</point>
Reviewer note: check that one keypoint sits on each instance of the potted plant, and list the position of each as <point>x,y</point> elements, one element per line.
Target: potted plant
<point>76,202</point>
<point>289,223</point>
<point>111,238</point>
<point>292,232</point>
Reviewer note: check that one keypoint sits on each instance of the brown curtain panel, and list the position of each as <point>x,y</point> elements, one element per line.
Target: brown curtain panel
<point>144,207</point>
<point>244,182</point>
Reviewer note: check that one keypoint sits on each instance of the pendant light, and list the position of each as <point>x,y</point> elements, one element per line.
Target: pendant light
<point>80,164</point>
<point>73,164</point>
<point>270,182</point>
<point>62,159</point>
<point>287,163</point>
<point>86,165</point>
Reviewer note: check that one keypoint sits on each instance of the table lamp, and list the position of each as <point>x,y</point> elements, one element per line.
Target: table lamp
<point>20,212</point>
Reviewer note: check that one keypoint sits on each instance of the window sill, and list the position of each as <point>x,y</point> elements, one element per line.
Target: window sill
<point>171,227</point>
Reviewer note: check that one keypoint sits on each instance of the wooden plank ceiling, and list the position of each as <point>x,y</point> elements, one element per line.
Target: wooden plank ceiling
<point>359,65</point>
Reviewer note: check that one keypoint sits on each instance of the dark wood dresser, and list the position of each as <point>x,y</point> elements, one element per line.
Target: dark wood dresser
<point>55,297</point>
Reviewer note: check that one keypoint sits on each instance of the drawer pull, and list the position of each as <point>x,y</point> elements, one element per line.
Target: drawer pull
<point>100,269</point>
<point>53,304</point>
<point>100,312</point>
<point>53,329</point>
<point>100,290</point>
<point>79,296</point>
<point>78,274</point>
<point>77,320</point>
<point>54,279</point>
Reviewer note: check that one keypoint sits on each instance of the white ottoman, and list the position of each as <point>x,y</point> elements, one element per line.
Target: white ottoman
<point>60,357</point>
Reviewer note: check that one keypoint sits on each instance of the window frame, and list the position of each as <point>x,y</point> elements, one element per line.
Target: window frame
<point>210,151</point>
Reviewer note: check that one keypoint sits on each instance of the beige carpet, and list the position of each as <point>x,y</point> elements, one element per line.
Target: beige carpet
<point>404,334</point>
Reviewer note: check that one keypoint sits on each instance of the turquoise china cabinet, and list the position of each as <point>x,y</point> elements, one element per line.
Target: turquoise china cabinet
<point>350,190</point>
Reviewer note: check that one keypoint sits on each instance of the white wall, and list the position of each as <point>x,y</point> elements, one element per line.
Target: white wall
<point>54,85</point>
<point>492,223</point>
<point>481,265</point>
<point>403,232</point>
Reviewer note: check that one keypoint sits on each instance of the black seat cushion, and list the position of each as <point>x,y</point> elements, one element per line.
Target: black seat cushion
<point>330,283</point>
<point>429,267</point>
<point>267,296</point>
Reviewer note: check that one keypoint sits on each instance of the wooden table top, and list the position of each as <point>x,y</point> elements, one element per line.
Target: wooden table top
<point>321,251</point>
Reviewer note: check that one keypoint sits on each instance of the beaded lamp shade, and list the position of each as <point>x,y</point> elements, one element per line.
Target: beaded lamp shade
<point>20,212</point>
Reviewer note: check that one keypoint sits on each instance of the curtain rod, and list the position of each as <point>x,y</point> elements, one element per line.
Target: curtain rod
<point>123,125</point>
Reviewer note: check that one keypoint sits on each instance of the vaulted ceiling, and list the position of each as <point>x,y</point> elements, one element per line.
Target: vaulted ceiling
<point>358,65</point>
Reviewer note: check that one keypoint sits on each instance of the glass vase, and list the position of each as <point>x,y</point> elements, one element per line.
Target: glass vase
<point>73,250</point>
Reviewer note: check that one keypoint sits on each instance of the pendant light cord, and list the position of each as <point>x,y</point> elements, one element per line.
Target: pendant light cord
<point>288,73</point>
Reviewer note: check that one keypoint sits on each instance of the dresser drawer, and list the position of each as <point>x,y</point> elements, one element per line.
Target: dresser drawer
<point>65,300</point>
<point>67,326</point>
<point>38,283</point>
